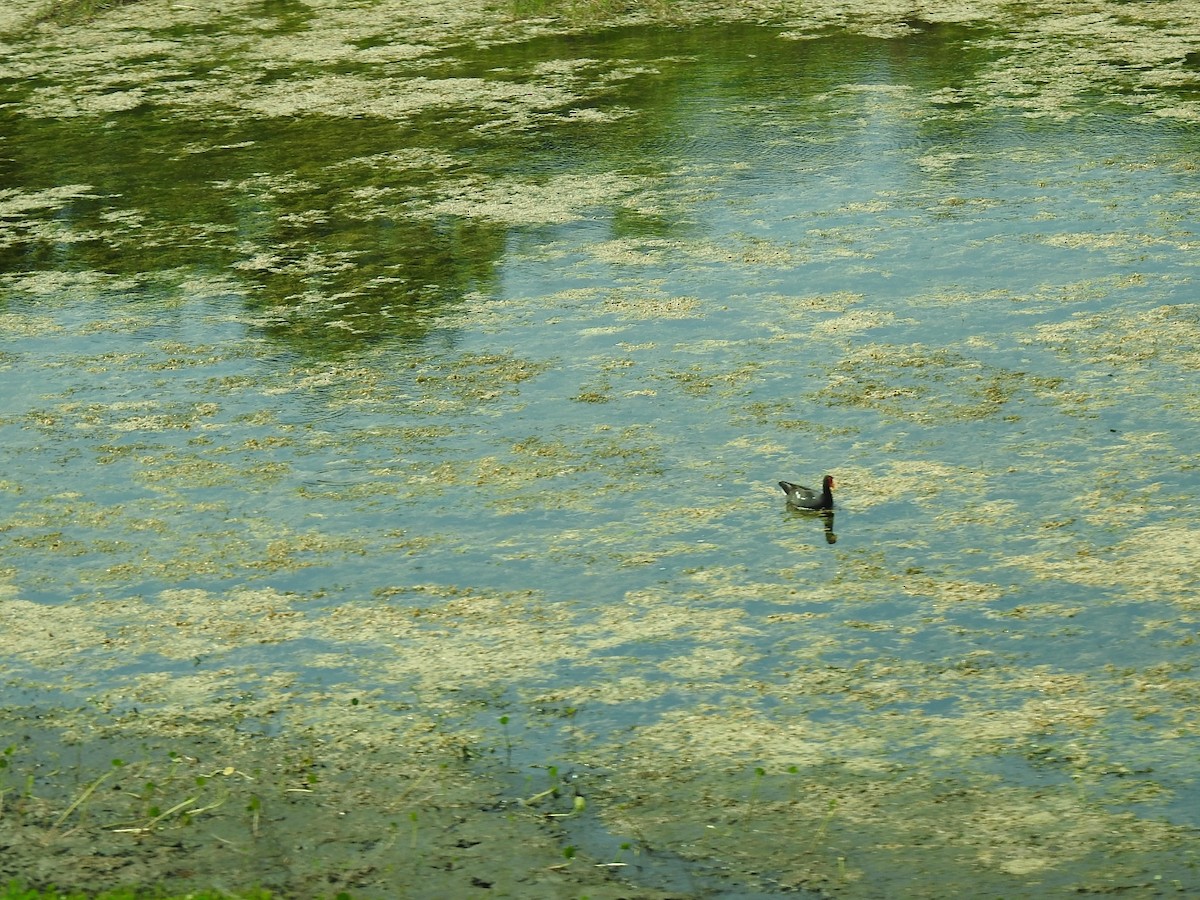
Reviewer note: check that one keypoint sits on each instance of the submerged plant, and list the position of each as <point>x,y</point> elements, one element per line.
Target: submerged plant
<point>254,807</point>
<point>578,805</point>
<point>759,774</point>
<point>819,834</point>
<point>507,738</point>
<point>81,801</point>
<point>6,773</point>
<point>624,847</point>
<point>71,12</point>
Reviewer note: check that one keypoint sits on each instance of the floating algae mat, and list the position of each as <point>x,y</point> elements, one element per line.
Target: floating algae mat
<point>394,396</point>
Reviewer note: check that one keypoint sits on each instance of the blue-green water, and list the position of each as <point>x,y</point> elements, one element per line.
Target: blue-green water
<point>370,364</point>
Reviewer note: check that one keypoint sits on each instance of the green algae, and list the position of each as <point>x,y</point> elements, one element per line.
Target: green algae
<point>337,394</point>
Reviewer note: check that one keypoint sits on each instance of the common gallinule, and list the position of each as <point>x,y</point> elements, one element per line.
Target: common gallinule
<point>800,497</point>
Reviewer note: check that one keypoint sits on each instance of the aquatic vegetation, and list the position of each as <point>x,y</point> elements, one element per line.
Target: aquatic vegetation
<point>380,376</point>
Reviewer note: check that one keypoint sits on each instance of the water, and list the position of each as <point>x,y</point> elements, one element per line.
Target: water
<point>491,400</point>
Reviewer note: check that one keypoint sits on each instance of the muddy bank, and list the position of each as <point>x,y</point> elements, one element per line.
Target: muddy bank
<point>93,802</point>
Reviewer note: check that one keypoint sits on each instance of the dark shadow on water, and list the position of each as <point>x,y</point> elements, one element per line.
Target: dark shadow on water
<point>824,515</point>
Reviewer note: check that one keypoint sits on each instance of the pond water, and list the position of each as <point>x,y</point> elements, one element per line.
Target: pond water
<point>460,381</point>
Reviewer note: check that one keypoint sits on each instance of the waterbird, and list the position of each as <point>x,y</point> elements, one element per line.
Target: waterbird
<point>800,497</point>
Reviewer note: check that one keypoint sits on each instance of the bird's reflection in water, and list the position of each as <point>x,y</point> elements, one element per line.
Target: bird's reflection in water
<point>826,516</point>
<point>830,537</point>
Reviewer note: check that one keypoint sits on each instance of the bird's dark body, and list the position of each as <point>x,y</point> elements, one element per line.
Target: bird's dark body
<point>801,497</point>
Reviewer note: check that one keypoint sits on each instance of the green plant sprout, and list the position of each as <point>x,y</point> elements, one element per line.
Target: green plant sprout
<point>759,774</point>
<point>254,807</point>
<point>819,834</point>
<point>412,839</point>
<point>507,738</point>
